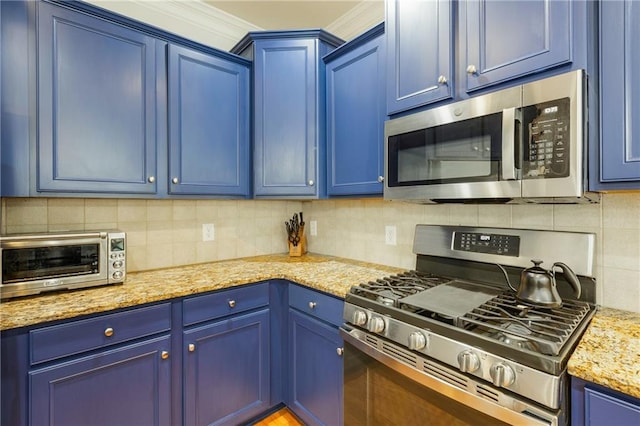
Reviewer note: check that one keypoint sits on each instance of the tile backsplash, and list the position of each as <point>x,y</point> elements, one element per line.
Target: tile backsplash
<point>164,233</point>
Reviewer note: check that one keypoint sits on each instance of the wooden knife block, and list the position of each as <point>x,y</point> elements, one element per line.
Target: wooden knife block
<point>300,249</point>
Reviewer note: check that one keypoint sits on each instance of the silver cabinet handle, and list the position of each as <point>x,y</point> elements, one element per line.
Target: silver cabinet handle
<point>312,305</point>
<point>380,179</point>
<point>311,182</point>
<point>191,347</point>
<point>471,69</point>
<point>442,80</point>
<point>174,180</point>
<point>232,303</point>
<point>108,332</point>
<point>164,355</point>
<point>151,179</point>
<point>340,351</point>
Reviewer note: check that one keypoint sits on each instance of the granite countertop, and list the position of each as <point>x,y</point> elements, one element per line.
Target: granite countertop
<point>609,352</point>
<point>329,274</point>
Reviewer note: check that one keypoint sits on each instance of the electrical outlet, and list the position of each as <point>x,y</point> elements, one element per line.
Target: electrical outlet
<point>390,235</point>
<point>208,232</point>
<point>313,225</point>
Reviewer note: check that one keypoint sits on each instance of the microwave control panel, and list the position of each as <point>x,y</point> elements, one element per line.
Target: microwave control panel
<point>547,140</point>
<point>117,257</point>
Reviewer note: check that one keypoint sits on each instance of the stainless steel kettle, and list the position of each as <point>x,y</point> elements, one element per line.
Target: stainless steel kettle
<point>538,286</point>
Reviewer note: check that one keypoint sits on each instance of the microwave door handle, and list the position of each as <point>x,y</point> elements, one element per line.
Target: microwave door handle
<point>508,144</point>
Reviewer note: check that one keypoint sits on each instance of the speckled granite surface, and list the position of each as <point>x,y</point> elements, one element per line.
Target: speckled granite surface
<point>328,274</point>
<point>609,352</point>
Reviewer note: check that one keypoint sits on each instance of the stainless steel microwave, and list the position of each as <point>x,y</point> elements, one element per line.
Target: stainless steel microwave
<point>521,144</point>
<point>36,263</point>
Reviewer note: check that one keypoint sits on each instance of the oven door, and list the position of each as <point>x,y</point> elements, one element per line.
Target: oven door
<point>466,150</point>
<point>385,384</point>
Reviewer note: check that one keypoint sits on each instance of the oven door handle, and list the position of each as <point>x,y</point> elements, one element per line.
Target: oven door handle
<point>514,415</point>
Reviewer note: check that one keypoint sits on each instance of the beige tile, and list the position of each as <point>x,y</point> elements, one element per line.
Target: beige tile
<point>228,209</point>
<point>186,231</point>
<point>3,213</point>
<point>64,227</point>
<point>65,213</point>
<point>136,233</point>
<point>159,256</point>
<point>207,211</point>
<point>184,210</point>
<point>206,251</point>
<point>495,215</point>
<point>132,210</point>
<point>621,210</point>
<point>159,233</point>
<point>578,216</point>
<point>26,211</point>
<point>25,229</point>
<point>159,210</point>
<point>621,289</point>
<point>463,214</point>
<point>136,258</point>
<point>621,249</point>
<point>184,253</point>
<point>532,216</point>
<point>98,211</point>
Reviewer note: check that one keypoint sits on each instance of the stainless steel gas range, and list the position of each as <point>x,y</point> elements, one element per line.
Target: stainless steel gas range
<point>452,343</point>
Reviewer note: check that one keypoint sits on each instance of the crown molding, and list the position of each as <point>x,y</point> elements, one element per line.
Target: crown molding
<point>192,19</point>
<point>356,21</point>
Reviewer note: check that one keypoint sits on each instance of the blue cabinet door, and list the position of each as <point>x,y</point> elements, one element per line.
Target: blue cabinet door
<point>502,40</point>
<point>125,386</point>
<point>315,361</point>
<point>356,93</point>
<point>226,370</point>
<point>208,124</point>
<point>419,38</point>
<point>96,105</point>
<point>288,148</point>
<point>595,405</point>
<point>619,96</point>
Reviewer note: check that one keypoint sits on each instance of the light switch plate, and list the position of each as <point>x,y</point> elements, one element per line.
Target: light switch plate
<point>208,232</point>
<point>313,225</point>
<point>390,235</point>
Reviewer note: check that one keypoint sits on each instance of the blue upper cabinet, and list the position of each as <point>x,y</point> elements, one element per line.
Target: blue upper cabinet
<point>507,39</point>
<point>208,124</point>
<point>419,38</point>
<point>96,105</point>
<point>355,115</point>
<point>491,42</point>
<point>289,111</point>
<point>619,150</point>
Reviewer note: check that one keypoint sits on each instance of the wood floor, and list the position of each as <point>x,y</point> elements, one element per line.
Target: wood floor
<point>280,418</point>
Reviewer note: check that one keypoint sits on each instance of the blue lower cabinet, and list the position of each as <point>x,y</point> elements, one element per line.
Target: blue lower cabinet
<point>125,386</point>
<point>226,370</point>
<point>594,405</point>
<point>315,363</point>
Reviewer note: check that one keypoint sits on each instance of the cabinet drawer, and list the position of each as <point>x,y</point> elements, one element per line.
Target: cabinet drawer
<point>203,308</point>
<point>79,336</point>
<point>319,305</point>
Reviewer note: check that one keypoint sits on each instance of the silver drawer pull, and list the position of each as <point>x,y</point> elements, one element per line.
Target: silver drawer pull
<point>312,305</point>
<point>108,332</point>
<point>232,303</point>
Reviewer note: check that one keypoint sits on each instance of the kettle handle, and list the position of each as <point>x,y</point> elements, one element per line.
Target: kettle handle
<point>571,277</point>
<point>506,277</point>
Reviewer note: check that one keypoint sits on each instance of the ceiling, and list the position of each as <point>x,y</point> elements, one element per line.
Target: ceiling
<point>287,14</point>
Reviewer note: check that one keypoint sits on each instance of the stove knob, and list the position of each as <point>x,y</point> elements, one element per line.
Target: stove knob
<point>376,325</point>
<point>502,375</point>
<point>468,361</point>
<point>417,341</point>
<point>359,318</point>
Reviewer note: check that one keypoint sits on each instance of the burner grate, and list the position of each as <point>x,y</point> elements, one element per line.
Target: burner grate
<point>390,289</point>
<point>543,330</point>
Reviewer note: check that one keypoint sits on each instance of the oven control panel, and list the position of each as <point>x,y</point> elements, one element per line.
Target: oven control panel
<point>503,245</point>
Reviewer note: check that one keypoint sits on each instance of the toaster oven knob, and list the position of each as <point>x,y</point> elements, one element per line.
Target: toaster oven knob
<point>502,375</point>
<point>117,275</point>
<point>359,318</point>
<point>417,341</point>
<point>117,264</point>
<point>376,325</point>
<point>468,361</point>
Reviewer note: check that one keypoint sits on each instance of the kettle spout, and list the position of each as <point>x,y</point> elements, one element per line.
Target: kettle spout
<point>506,277</point>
